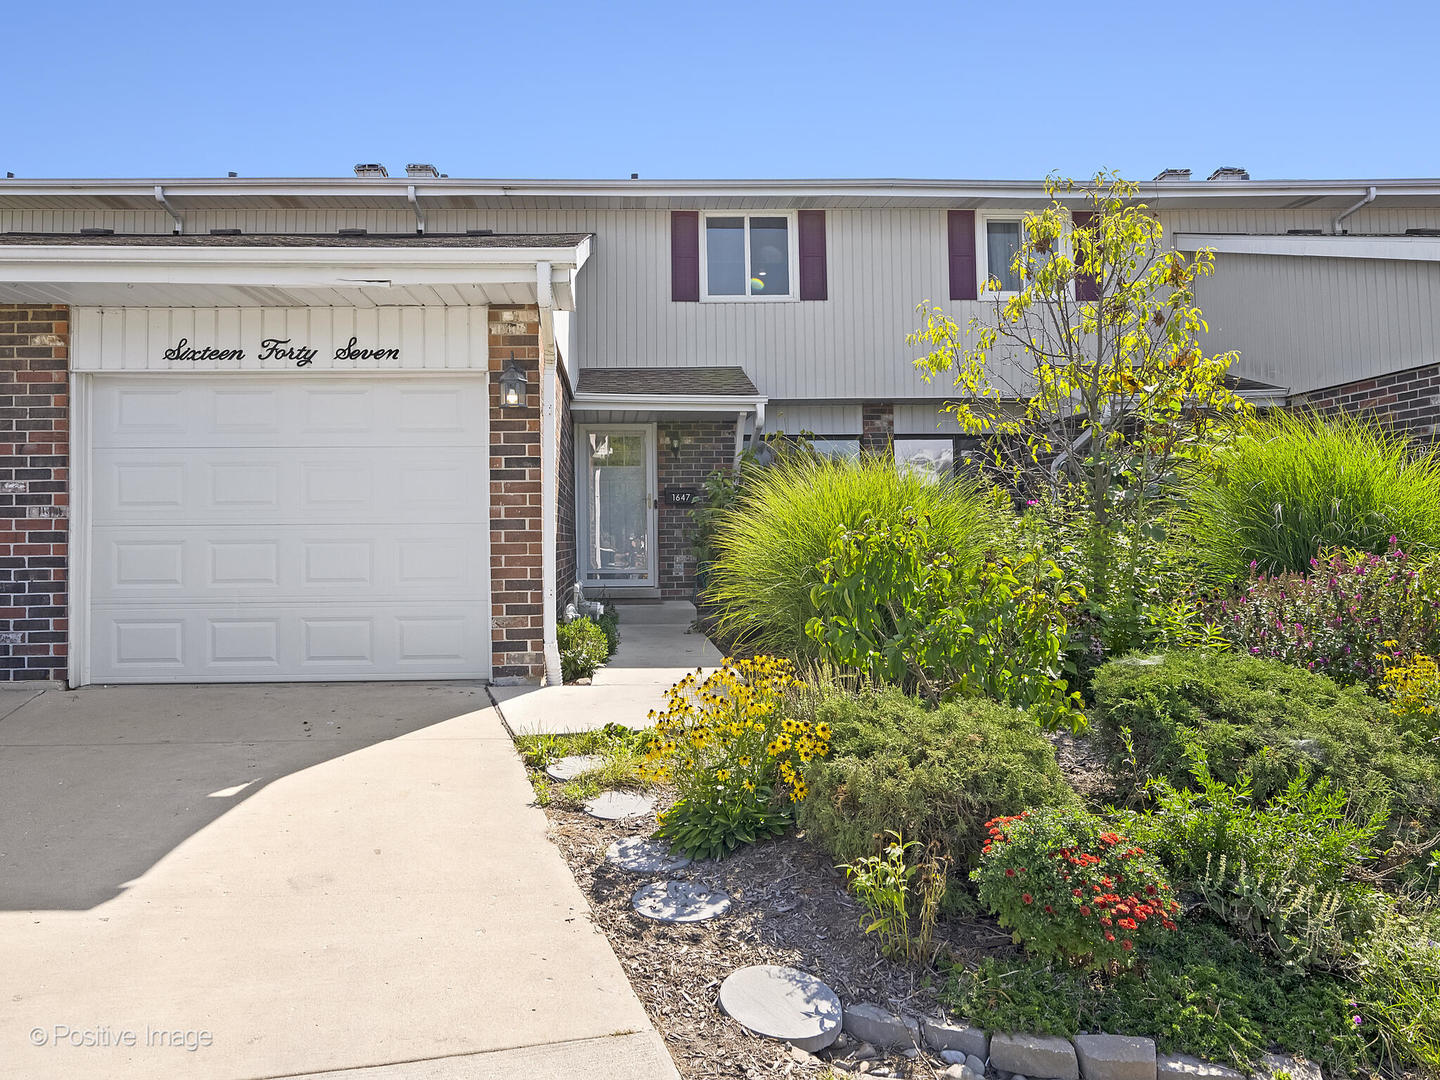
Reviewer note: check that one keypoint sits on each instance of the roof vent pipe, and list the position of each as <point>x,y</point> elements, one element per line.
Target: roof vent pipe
<point>1367,200</point>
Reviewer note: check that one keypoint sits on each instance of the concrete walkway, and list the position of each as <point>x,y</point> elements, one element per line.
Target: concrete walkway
<point>657,648</point>
<point>294,880</point>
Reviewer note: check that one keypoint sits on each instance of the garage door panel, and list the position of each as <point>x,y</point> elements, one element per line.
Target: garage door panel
<point>269,528</point>
<point>224,564</point>
<point>289,641</point>
<point>282,409</point>
<point>214,487</point>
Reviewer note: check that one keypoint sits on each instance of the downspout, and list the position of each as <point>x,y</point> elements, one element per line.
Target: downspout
<point>419,210</point>
<point>549,470</point>
<point>174,214</point>
<point>1366,201</point>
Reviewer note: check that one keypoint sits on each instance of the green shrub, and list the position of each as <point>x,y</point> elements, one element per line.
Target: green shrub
<point>1292,485</point>
<point>1263,718</point>
<point>1201,991</point>
<point>928,622</point>
<point>1346,618</point>
<point>934,775</point>
<point>609,623</point>
<point>770,542</point>
<point>1280,875</point>
<point>1074,889</point>
<point>582,648</point>
<point>1399,997</point>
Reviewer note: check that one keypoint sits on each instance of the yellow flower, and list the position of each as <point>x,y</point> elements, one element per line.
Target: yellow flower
<point>722,775</point>
<point>749,785</point>
<point>744,762</point>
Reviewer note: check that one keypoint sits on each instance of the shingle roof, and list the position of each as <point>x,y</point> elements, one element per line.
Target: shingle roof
<point>290,240</point>
<point>693,381</point>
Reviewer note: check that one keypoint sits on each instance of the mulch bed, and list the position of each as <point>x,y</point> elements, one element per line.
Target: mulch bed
<point>789,907</point>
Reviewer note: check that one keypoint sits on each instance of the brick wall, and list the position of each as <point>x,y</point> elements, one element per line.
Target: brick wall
<point>1409,400</point>
<point>705,445</point>
<point>877,427</point>
<point>516,588</point>
<point>565,553</point>
<point>34,490</point>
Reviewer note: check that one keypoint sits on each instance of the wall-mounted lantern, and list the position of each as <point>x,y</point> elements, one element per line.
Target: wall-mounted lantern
<point>512,385</point>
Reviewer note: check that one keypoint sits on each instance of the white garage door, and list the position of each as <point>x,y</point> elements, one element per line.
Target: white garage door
<point>288,526</point>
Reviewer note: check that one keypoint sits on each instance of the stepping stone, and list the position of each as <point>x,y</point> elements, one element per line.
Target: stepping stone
<point>680,902</point>
<point>568,768</point>
<point>618,805</point>
<point>783,1003</point>
<point>641,856</point>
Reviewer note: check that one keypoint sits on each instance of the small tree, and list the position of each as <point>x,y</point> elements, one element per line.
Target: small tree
<point>1094,400</point>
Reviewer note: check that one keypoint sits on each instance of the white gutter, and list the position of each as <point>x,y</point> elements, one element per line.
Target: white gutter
<point>1369,198</point>
<point>174,214</point>
<point>701,403</point>
<point>549,471</point>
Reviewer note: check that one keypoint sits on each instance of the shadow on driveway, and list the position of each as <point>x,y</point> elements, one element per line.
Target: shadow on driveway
<point>99,784</point>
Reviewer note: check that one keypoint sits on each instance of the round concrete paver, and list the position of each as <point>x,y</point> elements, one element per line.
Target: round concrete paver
<point>783,1003</point>
<point>568,768</point>
<point>618,805</point>
<point>641,856</point>
<point>680,902</point>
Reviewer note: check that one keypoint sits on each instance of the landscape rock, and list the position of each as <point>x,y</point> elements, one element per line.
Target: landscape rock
<point>783,1003</point>
<point>1185,1067</point>
<point>975,1065</point>
<point>942,1035</point>
<point>1115,1057</point>
<point>953,1057</point>
<point>1046,1057</point>
<point>1272,1065</point>
<point>872,1024</point>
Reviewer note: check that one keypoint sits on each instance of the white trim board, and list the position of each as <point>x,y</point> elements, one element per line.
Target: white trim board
<point>1404,248</point>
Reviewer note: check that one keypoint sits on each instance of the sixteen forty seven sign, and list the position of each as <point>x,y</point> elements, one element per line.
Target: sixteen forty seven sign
<point>276,349</point>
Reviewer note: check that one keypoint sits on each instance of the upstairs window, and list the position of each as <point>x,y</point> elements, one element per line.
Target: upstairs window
<point>1002,242</point>
<point>748,257</point>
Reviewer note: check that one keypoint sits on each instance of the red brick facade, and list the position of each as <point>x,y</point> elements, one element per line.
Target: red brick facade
<point>1409,400</point>
<point>877,427</point>
<point>517,599</point>
<point>704,446</point>
<point>34,490</point>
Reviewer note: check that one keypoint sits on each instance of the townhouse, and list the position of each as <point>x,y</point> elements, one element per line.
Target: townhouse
<point>379,427</point>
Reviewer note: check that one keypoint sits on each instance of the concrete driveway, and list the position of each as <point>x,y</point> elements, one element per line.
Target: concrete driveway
<point>263,881</point>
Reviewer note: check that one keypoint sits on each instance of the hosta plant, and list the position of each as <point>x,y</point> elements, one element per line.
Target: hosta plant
<point>736,760</point>
<point>1072,889</point>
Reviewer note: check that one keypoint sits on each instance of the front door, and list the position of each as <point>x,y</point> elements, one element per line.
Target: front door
<point>615,484</point>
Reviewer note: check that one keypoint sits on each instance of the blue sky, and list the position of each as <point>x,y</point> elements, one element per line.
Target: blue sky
<point>577,89</point>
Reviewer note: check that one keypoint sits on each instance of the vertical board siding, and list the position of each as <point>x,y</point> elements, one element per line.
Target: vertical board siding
<point>881,263</point>
<point>1322,321</point>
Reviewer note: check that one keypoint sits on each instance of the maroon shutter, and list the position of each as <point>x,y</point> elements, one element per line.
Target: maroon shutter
<point>963,283</point>
<point>685,255</point>
<point>812,255</point>
<point>1086,287</point>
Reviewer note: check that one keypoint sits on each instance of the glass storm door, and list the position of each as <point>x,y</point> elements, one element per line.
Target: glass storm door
<point>616,519</point>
